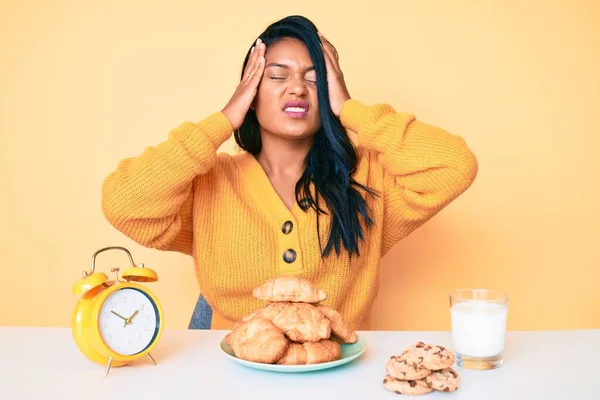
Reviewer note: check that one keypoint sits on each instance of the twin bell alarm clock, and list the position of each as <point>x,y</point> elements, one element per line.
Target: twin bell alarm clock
<point>116,322</point>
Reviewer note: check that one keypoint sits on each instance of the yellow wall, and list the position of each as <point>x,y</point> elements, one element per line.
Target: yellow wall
<point>84,84</point>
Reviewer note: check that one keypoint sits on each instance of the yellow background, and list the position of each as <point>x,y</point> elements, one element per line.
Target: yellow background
<point>85,84</point>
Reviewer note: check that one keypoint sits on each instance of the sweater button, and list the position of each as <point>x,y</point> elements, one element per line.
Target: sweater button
<point>289,256</point>
<point>305,203</point>
<point>287,227</point>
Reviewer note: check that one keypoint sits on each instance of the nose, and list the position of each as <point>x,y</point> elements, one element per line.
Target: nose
<point>297,87</point>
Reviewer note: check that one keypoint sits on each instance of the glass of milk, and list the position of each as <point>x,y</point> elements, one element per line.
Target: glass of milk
<point>478,327</point>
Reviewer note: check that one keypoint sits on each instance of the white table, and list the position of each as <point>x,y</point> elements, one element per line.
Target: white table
<point>44,363</point>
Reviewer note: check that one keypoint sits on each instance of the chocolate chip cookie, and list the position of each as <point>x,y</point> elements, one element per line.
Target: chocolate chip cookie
<point>430,356</point>
<point>398,367</point>
<point>410,387</point>
<point>446,380</point>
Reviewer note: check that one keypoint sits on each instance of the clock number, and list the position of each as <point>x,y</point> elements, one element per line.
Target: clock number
<point>110,337</point>
<point>106,325</point>
<point>146,328</point>
<point>130,344</point>
<point>124,299</point>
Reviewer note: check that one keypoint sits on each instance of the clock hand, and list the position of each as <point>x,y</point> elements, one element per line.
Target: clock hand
<point>118,315</point>
<point>122,317</point>
<point>128,320</point>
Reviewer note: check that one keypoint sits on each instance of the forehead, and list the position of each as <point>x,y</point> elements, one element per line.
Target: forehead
<point>288,50</point>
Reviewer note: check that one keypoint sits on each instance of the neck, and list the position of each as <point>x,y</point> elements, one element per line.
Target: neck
<point>281,157</point>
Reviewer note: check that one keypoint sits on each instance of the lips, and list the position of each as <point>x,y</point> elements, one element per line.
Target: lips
<point>296,109</point>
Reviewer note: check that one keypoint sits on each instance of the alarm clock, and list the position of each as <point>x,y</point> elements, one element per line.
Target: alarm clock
<point>116,322</point>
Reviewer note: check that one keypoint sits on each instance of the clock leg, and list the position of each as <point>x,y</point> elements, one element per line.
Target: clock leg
<point>107,367</point>
<point>150,358</point>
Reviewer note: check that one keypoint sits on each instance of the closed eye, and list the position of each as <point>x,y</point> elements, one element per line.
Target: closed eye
<point>279,78</point>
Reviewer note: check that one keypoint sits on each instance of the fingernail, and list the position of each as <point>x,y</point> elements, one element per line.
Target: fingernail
<point>257,41</point>
<point>252,50</point>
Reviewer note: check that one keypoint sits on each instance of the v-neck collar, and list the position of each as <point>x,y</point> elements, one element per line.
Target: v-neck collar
<point>264,193</point>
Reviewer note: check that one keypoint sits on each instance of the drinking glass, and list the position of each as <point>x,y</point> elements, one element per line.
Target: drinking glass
<point>478,319</point>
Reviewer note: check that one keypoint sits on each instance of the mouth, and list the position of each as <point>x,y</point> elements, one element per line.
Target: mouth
<point>296,109</point>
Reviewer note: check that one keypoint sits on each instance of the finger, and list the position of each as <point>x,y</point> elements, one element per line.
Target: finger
<point>329,62</point>
<point>250,63</point>
<point>258,67</point>
<point>256,73</point>
<point>252,60</point>
<point>326,44</point>
<point>330,50</point>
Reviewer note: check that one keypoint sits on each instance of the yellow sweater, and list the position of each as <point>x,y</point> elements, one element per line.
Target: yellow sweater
<point>221,209</point>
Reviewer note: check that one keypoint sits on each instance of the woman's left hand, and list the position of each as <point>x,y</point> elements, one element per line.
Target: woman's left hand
<point>338,92</point>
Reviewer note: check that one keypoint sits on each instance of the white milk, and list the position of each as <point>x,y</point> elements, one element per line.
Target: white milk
<point>478,329</point>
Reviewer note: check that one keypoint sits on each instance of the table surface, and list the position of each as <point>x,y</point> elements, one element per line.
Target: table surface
<point>45,363</point>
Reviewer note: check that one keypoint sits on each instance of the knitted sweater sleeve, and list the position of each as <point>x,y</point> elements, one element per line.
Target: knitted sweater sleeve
<point>149,198</point>
<point>424,167</point>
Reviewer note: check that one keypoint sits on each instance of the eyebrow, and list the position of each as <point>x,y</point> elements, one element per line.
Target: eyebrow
<point>311,68</point>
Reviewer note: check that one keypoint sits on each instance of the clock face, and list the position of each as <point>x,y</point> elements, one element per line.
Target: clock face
<point>129,321</point>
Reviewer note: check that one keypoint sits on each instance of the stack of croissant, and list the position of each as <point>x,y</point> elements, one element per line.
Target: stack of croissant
<point>293,328</point>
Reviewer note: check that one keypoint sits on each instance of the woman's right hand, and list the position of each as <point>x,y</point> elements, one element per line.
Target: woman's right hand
<point>244,95</point>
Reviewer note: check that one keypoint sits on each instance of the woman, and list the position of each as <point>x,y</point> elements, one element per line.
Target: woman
<point>302,198</point>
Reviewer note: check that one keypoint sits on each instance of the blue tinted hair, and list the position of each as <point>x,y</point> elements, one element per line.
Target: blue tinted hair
<point>332,159</point>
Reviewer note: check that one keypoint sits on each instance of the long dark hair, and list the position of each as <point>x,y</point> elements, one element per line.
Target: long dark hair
<point>332,159</point>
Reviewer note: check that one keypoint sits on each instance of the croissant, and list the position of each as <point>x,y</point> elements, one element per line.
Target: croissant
<point>292,329</point>
<point>289,288</point>
<point>323,351</point>
<point>295,354</point>
<point>338,326</point>
<point>300,322</point>
<point>311,353</point>
<point>267,312</point>
<point>257,340</point>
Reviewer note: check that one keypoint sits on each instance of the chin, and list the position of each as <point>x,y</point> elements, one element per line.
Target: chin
<point>297,134</point>
<point>300,131</point>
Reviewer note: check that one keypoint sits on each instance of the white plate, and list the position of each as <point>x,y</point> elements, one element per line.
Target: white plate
<point>349,353</point>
